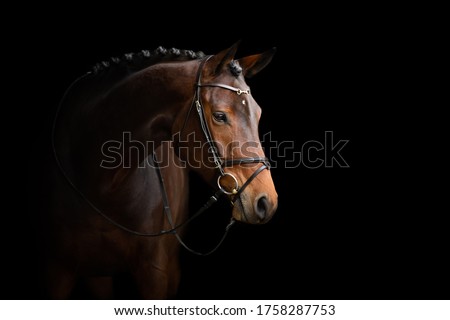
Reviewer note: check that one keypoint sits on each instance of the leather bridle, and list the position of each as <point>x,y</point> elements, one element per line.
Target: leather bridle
<point>220,164</point>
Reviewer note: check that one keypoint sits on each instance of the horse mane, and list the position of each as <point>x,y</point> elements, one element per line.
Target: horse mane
<point>133,62</point>
<point>103,75</point>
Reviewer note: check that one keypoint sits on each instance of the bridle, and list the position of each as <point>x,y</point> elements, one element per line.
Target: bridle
<point>219,162</point>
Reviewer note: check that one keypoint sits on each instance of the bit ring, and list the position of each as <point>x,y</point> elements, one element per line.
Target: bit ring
<point>234,190</point>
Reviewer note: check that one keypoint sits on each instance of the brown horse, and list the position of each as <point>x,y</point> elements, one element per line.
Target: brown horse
<point>124,138</point>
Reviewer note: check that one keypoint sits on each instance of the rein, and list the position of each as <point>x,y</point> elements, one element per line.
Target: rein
<point>218,161</point>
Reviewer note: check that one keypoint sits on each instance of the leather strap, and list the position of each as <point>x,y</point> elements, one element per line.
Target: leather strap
<point>225,86</point>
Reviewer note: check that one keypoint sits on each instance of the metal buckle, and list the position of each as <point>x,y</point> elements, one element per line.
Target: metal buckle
<point>239,92</point>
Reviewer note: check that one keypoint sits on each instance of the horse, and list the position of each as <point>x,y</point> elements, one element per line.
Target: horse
<point>125,138</point>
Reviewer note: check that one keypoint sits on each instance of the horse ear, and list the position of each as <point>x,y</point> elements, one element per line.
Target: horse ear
<point>251,65</point>
<point>223,58</point>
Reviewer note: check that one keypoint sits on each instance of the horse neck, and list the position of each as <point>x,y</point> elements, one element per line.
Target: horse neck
<point>134,117</point>
<point>146,103</point>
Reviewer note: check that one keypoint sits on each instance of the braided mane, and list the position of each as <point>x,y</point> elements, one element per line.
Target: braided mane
<point>137,61</point>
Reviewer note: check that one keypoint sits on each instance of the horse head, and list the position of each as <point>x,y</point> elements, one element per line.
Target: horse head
<point>230,152</point>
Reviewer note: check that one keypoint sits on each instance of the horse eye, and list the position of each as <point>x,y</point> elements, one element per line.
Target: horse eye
<point>220,116</point>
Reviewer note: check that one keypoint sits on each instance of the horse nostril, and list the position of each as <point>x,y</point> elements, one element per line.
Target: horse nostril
<point>261,207</point>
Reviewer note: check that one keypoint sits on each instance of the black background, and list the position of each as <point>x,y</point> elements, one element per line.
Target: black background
<point>364,232</point>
